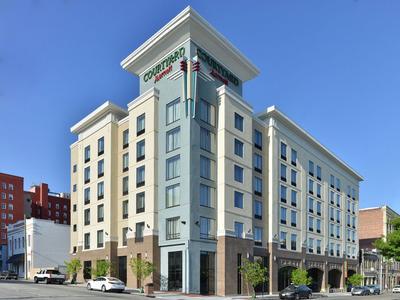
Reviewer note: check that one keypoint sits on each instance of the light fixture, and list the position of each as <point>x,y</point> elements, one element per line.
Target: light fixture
<point>106,233</point>
<point>183,222</point>
<point>130,229</point>
<point>148,226</point>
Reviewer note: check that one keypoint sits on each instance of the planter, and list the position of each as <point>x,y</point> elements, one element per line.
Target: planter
<point>149,289</point>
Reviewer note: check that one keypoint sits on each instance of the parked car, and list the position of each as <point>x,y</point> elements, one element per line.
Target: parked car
<point>295,292</point>
<point>360,291</point>
<point>49,276</point>
<point>396,289</point>
<point>8,275</point>
<point>374,289</point>
<point>105,284</point>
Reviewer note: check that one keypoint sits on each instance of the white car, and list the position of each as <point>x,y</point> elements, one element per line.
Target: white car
<point>105,284</point>
<point>396,289</point>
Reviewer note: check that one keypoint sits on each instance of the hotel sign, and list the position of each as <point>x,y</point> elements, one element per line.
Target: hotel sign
<point>218,71</point>
<point>164,67</point>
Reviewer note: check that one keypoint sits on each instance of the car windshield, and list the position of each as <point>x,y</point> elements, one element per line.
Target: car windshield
<point>55,272</point>
<point>113,279</point>
<point>290,288</point>
<point>397,286</point>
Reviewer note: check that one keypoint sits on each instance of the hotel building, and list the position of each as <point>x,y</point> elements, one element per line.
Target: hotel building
<point>189,177</point>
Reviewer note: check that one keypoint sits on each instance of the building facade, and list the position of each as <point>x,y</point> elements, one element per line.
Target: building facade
<point>375,223</point>
<point>36,245</point>
<point>190,178</point>
<point>11,209</point>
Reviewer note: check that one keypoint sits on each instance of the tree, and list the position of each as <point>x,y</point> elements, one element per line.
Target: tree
<point>254,274</point>
<point>73,267</point>
<point>389,246</point>
<point>355,279</point>
<point>102,268</point>
<point>141,269</point>
<point>300,277</point>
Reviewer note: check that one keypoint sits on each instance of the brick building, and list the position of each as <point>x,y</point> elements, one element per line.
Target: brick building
<point>11,209</point>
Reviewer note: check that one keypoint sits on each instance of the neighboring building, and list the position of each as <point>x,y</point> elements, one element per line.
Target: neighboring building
<point>191,179</point>
<point>47,205</point>
<point>375,223</point>
<point>47,246</point>
<point>11,209</point>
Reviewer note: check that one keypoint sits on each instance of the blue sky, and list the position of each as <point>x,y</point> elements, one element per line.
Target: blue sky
<point>332,66</point>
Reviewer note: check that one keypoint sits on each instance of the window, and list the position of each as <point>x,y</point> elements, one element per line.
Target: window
<point>100,238</point>
<point>57,206</point>
<point>140,150</point>
<point>87,154</point>
<point>293,218</point>
<point>139,232</point>
<point>293,177</point>
<point>73,188</point>
<point>74,207</point>
<point>100,213</point>
<point>258,139</point>
<point>338,231</point>
<point>318,246</point>
<point>173,167</point>
<point>207,196</point>
<point>173,231</point>
<point>319,208</point>
<point>293,198</point>
<point>338,184</point>
<point>258,236</point>
<point>318,190</point>
<point>100,146</point>
<point>124,236</point>
<point>207,228</point>
<point>353,194</point>
<point>318,225</point>
<point>293,241</point>
<point>87,216</point>
<point>207,140</point>
<point>10,197</point>
<point>258,186</point>
<point>87,174</point>
<point>310,223</point>
<point>332,181</point>
<point>173,111</point>
<point>310,168</point>
<point>3,196</point>
<point>283,172</point>
<point>283,215</point>
<point>294,157</point>
<point>10,206</point>
<point>332,197</point>
<point>207,112</point>
<point>140,125</point>
<point>238,199</point>
<point>310,205</point>
<point>125,209</point>
<point>319,173</point>
<point>100,168</point>
<point>140,203</point>
<point>87,195</point>
<point>206,168</point>
<point>257,163</point>
<point>283,240</point>
<point>258,209</point>
<point>238,148</point>
<point>238,230</point>
<point>310,245</point>
<point>125,162</point>
<point>311,186</point>
<point>173,139</point>
<point>238,172</point>
<point>100,190</point>
<point>87,241</point>
<point>283,151</point>
<point>73,228</point>
<point>338,217</point>
<point>125,138</point>
<point>337,250</point>
<point>140,176</point>
<point>238,122</point>
<point>331,229</point>
<point>283,193</point>
<point>173,195</point>
<point>331,214</point>
<point>338,200</point>
<point>74,168</point>
<point>331,250</point>
<point>125,185</point>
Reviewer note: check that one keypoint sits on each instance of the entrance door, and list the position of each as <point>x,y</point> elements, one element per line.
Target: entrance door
<point>175,271</point>
<point>207,273</point>
<point>87,267</point>
<point>122,268</point>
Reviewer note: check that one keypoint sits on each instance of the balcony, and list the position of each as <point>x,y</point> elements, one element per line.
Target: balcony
<point>207,236</point>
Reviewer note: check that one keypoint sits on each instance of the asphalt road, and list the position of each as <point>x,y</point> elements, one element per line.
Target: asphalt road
<point>28,290</point>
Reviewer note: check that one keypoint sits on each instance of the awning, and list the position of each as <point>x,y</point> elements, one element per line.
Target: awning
<point>16,258</point>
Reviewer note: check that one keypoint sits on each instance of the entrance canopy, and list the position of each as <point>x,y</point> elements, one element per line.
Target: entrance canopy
<point>16,259</point>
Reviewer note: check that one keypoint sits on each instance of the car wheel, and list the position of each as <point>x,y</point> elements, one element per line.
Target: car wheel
<point>88,286</point>
<point>103,289</point>
<point>46,280</point>
<point>309,296</point>
<point>35,280</point>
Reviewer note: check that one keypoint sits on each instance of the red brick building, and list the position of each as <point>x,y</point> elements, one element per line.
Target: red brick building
<point>11,209</point>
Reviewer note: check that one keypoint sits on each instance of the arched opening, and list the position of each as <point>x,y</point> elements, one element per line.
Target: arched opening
<point>349,273</point>
<point>284,275</point>
<point>316,275</point>
<point>334,278</point>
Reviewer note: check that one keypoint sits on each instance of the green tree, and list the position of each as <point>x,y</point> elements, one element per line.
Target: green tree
<point>389,246</point>
<point>300,277</point>
<point>73,267</point>
<point>355,279</point>
<point>141,269</point>
<point>103,268</point>
<point>254,274</point>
